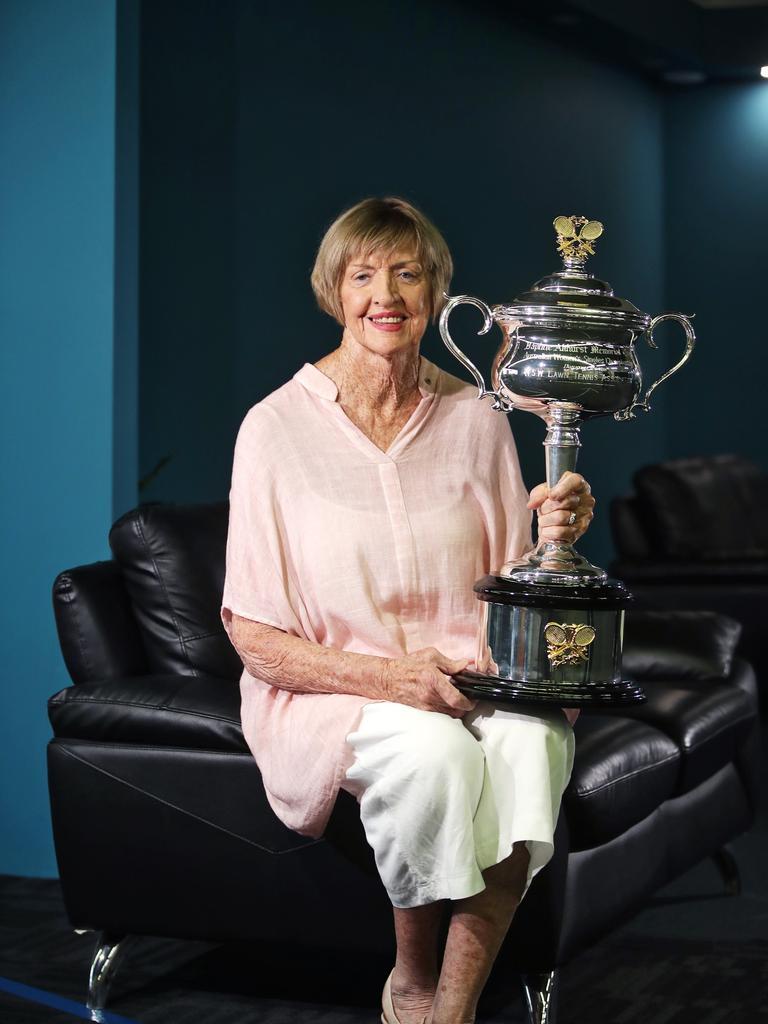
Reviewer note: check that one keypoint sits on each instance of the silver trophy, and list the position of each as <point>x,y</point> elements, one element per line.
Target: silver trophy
<point>552,623</point>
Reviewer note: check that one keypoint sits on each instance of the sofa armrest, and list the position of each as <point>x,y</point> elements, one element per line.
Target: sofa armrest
<point>679,645</point>
<point>97,629</point>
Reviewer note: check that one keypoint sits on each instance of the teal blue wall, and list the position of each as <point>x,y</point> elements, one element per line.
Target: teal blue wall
<point>125,378</point>
<point>717,226</point>
<point>261,122</point>
<point>60,464</point>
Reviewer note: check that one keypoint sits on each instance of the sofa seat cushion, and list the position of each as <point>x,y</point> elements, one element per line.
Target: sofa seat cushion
<point>706,719</point>
<point>622,771</point>
<point>197,712</point>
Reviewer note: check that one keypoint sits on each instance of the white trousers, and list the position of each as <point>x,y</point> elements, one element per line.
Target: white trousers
<point>442,799</point>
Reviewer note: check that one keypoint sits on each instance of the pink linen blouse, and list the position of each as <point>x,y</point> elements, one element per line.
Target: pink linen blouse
<point>339,543</point>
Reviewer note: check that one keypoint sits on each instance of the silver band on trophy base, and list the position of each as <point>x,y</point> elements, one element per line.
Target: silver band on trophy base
<point>552,623</point>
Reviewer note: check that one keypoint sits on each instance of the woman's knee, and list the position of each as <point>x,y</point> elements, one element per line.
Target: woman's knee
<point>512,872</point>
<point>550,730</point>
<point>425,759</point>
<point>443,748</point>
<point>436,755</point>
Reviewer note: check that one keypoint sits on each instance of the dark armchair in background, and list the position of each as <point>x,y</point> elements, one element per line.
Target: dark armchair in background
<point>162,826</point>
<point>695,535</point>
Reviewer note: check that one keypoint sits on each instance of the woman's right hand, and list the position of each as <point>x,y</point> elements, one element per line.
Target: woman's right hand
<point>422,680</point>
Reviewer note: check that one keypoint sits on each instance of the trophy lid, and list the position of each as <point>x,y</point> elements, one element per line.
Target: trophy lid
<point>572,294</point>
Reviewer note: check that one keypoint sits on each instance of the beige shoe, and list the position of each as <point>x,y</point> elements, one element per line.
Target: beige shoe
<point>388,1015</point>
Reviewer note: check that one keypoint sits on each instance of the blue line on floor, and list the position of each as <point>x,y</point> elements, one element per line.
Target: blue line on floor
<point>38,995</point>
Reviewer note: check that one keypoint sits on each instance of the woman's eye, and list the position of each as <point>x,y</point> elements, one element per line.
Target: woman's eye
<point>408,275</point>
<point>360,278</point>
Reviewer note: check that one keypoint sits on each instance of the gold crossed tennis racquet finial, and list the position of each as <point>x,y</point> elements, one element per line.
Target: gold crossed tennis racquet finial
<point>575,236</point>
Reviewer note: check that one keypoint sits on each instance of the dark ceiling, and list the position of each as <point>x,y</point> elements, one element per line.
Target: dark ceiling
<point>674,42</point>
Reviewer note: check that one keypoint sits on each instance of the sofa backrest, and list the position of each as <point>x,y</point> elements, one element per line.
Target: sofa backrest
<point>704,508</point>
<point>172,560</point>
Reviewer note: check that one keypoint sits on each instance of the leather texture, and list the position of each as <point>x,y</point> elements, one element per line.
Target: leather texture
<point>743,604</point>
<point>707,507</point>
<point>164,842</point>
<point>172,561</point>
<point>629,531</point>
<point>695,536</point>
<point>683,645</point>
<point>608,883</point>
<point>622,771</point>
<point>222,789</point>
<point>98,632</point>
<point>199,712</point>
<point>706,720</point>
<point>162,826</point>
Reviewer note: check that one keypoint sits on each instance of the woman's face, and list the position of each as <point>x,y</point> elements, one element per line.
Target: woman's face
<point>386,298</point>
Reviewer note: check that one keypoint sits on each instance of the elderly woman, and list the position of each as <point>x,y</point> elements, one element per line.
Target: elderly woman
<point>368,494</point>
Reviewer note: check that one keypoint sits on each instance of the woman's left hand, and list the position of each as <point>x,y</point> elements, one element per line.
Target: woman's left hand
<point>566,511</point>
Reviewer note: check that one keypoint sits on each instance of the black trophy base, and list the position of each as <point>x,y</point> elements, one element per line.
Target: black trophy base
<point>550,644</point>
<point>572,695</point>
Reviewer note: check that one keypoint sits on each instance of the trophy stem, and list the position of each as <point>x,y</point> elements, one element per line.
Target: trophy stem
<point>574,266</point>
<point>558,563</point>
<point>562,442</point>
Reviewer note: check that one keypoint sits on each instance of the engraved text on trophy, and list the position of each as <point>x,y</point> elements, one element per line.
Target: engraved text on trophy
<point>570,365</point>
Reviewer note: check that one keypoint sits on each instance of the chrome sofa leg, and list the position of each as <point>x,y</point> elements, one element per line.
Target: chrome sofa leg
<point>106,957</point>
<point>540,991</point>
<point>729,870</point>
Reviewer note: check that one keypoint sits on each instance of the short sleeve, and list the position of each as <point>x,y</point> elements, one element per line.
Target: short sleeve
<point>259,583</point>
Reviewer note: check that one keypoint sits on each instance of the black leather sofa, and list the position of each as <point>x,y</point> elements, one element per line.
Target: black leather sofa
<point>162,827</point>
<point>695,535</point>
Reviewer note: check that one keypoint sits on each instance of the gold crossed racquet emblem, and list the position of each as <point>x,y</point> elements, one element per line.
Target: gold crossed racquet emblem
<point>567,642</point>
<point>575,236</point>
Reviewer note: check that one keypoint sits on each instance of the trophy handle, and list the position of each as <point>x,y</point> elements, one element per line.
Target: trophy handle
<point>690,341</point>
<point>458,300</point>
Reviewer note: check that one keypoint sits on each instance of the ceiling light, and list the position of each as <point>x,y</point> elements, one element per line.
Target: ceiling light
<point>764,71</point>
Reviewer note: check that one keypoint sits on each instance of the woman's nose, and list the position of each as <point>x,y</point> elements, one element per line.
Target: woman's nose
<point>385,291</point>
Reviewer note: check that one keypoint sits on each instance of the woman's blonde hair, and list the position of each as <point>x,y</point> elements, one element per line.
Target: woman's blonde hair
<point>379,225</point>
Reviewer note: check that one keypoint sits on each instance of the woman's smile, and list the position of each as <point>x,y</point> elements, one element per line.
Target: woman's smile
<point>387,321</point>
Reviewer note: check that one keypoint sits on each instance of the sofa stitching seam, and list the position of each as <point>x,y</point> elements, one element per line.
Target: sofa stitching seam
<point>171,609</point>
<point>200,636</point>
<point>582,793</point>
<point>722,729</point>
<point>69,598</point>
<point>137,704</point>
<point>181,810</point>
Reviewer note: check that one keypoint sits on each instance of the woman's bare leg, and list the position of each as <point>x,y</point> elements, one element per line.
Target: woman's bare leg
<point>414,981</point>
<point>477,929</point>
